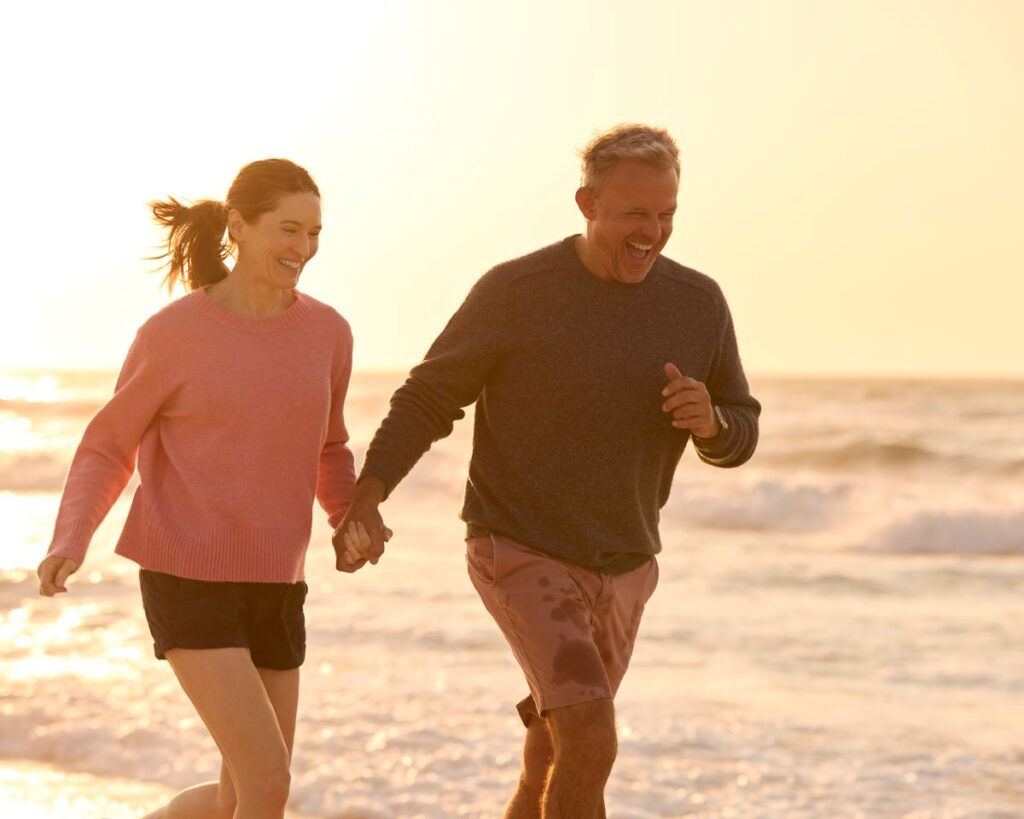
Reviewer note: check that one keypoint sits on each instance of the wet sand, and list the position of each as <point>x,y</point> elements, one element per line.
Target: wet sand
<point>35,791</point>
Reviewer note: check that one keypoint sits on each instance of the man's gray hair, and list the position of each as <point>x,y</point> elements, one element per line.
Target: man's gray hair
<point>627,141</point>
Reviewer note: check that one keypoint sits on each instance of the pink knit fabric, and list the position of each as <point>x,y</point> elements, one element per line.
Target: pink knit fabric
<point>237,425</point>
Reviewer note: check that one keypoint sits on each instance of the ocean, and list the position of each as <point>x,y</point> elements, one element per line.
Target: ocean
<point>838,630</point>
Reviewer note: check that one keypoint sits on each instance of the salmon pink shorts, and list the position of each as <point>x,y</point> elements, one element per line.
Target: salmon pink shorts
<point>571,629</point>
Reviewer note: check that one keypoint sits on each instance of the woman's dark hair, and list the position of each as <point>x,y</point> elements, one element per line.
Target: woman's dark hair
<point>196,245</point>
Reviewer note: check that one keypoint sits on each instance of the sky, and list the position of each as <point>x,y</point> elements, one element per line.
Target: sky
<point>852,171</point>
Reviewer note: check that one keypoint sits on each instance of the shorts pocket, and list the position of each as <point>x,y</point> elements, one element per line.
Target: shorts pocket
<point>653,576</point>
<point>481,559</point>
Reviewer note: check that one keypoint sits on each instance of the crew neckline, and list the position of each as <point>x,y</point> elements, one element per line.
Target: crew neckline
<point>576,263</point>
<point>288,317</point>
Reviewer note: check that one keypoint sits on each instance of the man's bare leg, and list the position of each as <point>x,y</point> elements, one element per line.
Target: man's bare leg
<point>585,744</point>
<point>538,754</point>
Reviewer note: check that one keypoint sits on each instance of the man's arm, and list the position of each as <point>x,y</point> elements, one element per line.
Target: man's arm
<point>721,416</point>
<point>424,410</point>
<point>735,442</point>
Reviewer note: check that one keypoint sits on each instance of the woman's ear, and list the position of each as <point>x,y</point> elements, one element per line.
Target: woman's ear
<point>236,225</point>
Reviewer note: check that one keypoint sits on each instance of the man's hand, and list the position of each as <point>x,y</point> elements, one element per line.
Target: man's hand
<point>689,403</point>
<point>356,542</point>
<point>361,535</point>
<point>53,573</point>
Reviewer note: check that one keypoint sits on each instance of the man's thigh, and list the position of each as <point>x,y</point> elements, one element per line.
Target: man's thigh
<point>567,631</point>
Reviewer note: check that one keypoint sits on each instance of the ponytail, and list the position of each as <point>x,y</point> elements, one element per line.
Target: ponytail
<point>195,237</point>
<point>195,241</point>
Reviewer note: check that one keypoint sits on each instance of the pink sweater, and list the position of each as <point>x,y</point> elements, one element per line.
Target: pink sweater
<point>237,425</point>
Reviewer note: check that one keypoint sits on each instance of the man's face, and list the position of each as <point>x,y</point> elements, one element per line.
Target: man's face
<point>629,220</point>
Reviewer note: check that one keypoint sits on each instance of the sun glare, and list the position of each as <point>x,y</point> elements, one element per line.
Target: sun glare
<point>28,521</point>
<point>41,388</point>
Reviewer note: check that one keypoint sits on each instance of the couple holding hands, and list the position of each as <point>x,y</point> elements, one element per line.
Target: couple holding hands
<point>592,363</point>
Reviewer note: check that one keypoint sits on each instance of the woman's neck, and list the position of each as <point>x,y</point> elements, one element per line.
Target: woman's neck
<point>242,295</point>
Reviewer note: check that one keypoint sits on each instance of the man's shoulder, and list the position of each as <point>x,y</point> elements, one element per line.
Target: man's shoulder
<point>679,275</point>
<point>540,262</point>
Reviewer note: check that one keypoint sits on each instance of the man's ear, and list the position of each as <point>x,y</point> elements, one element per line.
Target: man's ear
<point>585,202</point>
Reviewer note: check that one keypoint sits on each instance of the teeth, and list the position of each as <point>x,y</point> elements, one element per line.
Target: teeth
<point>638,251</point>
<point>290,263</point>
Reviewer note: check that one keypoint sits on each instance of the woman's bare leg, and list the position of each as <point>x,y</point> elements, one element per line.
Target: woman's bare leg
<point>210,800</point>
<point>251,714</point>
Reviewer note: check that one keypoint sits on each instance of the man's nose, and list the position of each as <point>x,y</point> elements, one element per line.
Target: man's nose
<point>651,229</point>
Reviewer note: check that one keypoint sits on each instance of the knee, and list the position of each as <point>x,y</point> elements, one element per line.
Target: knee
<point>596,745</point>
<point>275,787</point>
<point>538,754</point>
<point>226,801</point>
<point>268,787</point>
<point>588,736</point>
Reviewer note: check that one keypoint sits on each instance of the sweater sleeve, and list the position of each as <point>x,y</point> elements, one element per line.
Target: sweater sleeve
<point>730,392</point>
<point>451,376</point>
<point>105,459</point>
<point>336,477</point>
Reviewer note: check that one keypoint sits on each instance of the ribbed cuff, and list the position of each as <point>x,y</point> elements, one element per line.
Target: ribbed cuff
<point>725,446</point>
<point>71,543</point>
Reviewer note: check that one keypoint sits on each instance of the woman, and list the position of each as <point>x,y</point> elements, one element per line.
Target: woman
<point>231,400</point>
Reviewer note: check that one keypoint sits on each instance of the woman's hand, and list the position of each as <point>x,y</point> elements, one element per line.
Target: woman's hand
<point>53,573</point>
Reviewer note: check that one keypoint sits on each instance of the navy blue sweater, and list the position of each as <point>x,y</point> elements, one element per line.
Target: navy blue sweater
<point>572,453</point>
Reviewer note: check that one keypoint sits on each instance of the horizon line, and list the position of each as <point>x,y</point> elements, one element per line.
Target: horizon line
<point>774,374</point>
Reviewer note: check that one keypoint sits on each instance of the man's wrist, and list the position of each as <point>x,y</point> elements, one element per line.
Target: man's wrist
<point>370,490</point>
<point>710,437</point>
<point>719,425</point>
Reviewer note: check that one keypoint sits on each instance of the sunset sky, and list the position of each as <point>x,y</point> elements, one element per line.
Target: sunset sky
<point>852,171</point>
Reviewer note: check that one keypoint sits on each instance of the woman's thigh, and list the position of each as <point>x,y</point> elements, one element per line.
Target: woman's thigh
<point>231,697</point>
<point>282,688</point>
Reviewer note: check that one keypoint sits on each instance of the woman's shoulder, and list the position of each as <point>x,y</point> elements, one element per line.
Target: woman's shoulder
<point>170,317</point>
<point>322,312</point>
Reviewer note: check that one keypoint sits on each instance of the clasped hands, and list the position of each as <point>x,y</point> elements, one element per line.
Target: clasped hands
<point>361,535</point>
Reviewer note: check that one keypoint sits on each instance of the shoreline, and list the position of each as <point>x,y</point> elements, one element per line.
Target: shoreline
<point>40,790</point>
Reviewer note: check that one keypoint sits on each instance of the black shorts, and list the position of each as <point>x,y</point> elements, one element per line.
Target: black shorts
<point>266,618</point>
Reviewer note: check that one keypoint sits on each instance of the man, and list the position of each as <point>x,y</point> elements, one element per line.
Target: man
<point>592,363</point>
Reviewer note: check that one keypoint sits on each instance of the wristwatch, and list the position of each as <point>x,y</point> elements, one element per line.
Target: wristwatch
<point>721,417</point>
<point>723,425</point>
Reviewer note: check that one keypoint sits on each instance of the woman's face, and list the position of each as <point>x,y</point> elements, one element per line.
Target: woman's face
<point>274,250</point>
